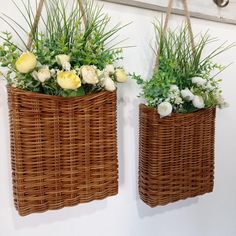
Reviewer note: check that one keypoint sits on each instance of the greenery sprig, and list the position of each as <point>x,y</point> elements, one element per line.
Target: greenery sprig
<point>63,32</point>
<point>186,80</point>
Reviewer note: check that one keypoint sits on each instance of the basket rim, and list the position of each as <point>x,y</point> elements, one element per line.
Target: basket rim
<point>42,95</point>
<point>174,114</point>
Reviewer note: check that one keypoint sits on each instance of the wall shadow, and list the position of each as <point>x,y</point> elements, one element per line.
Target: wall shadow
<point>49,217</point>
<point>146,211</point>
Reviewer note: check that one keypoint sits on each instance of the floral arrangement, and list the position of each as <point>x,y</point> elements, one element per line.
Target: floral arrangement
<point>186,79</point>
<point>69,56</point>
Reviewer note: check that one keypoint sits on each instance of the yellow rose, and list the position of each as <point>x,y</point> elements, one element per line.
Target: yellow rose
<point>121,76</point>
<point>68,80</point>
<point>26,62</point>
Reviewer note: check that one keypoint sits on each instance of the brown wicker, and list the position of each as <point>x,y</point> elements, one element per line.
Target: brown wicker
<point>64,150</point>
<point>176,155</point>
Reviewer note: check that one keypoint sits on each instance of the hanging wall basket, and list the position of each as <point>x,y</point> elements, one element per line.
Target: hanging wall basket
<point>64,150</point>
<point>176,155</point>
<point>176,152</point>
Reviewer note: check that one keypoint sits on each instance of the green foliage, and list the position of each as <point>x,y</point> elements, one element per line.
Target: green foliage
<point>9,53</point>
<point>178,65</point>
<point>62,31</point>
<point>66,34</point>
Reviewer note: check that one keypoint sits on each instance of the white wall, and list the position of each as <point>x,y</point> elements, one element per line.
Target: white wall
<point>125,215</point>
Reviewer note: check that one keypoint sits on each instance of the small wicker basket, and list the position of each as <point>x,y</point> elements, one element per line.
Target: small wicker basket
<point>176,155</point>
<point>64,150</point>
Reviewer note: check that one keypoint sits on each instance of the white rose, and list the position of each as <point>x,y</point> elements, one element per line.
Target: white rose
<point>199,81</point>
<point>187,94</point>
<point>108,84</point>
<point>42,74</point>
<point>164,109</point>
<point>109,69</point>
<point>62,59</point>
<point>89,74</point>
<point>198,102</point>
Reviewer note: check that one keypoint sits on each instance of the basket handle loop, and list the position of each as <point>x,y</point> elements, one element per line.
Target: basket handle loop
<point>38,15</point>
<point>189,25</point>
<point>35,25</point>
<point>82,11</point>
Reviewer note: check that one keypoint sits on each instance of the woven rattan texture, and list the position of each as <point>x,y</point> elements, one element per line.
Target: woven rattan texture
<point>64,150</point>
<point>176,155</point>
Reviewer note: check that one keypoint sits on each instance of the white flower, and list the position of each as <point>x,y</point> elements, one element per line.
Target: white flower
<point>66,66</point>
<point>53,72</point>
<point>178,100</point>
<point>100,73</point>
<point>174,94</point>
<point>198,102</point>
<point>109,69</point>
<point>221,101</point>
<point>199,81</point>
<point>42,75</point>
<point>108,84</point>
<point>62,59</point>
<point>164,109</point>
<point>89,74</point>
<point>174,88</point>
<point>187,94</point>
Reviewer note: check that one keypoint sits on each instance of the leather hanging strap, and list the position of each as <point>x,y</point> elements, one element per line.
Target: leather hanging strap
<point>189,25</point>
<point>187,14</point>
<point>35,25</point>
<point>82,10</point>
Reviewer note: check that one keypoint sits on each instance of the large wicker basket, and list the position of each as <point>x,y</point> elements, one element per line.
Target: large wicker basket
<point>176,155</point>
<point>64,150</point>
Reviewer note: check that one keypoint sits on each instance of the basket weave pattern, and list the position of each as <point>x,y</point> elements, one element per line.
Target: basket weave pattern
<point>176,155</point>
<point>64,150</point>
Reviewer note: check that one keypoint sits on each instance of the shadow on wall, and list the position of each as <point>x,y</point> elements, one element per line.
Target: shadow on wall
<point>35,220</point>
<point>120,136</point>
<point>5,158</point>
<point>146,211</point>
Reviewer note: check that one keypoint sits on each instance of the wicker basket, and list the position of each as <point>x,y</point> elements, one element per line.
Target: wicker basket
<point>64,150</point>
<point>176,155</point>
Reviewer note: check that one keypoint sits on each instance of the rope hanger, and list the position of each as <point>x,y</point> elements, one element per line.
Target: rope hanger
<point>189,25</point>
<point>38,15</point>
